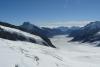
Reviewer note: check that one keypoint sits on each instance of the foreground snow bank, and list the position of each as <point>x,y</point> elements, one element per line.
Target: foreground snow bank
<point>24,54</point>
<point>8,57</point>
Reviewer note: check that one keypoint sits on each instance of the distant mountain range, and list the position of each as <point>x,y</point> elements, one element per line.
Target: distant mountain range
<point>48,32</point>
<point>89,33</point>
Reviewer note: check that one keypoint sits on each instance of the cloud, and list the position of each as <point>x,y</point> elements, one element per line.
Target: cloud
<point>65,23</point>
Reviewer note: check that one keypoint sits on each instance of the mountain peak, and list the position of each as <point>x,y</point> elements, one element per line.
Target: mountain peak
<point>26,23</point>
<point>29,26</point>
<point>93,25</point>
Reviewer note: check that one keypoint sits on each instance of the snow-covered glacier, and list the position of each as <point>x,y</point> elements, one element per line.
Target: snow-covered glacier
<point>17,53</point>
<point>25,54</point>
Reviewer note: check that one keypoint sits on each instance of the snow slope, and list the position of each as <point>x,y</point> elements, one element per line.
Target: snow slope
<point>25,54</point>
<point>12,30</point>
<point>38,39</point>
<point>77,54</point>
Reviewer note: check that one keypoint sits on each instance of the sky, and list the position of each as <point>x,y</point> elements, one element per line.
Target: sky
<point>49,11</point>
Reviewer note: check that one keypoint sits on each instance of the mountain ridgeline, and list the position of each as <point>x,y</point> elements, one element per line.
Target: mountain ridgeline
<point>12,32</point>
<point>89,33</point>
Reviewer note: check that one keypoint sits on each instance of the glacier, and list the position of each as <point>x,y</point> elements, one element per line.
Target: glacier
<point>67,54</point>
<point>27,54</point>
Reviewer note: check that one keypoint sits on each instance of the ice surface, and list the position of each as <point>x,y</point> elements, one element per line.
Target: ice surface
<point>67,54</point>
